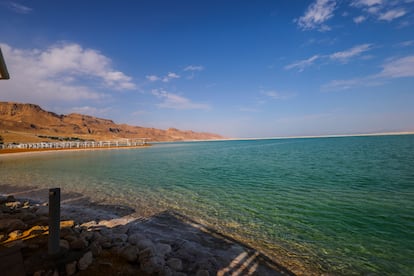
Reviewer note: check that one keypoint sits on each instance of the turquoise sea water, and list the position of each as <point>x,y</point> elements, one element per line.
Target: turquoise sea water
<point>340,205</point>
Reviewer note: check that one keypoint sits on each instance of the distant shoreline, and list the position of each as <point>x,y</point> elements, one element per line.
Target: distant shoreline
<point>323,136</point>
<point>6,152</point>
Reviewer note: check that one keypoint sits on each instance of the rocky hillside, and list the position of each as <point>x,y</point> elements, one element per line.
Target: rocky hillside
<point>30,123</point>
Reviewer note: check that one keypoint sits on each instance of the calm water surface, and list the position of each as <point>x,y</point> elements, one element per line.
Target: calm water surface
<point>338,205</point>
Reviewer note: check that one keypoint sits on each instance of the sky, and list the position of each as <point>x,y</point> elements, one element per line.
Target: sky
<point>236,68</point>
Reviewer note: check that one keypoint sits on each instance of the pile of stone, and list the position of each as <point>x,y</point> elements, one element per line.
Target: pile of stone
<point>23,224</point>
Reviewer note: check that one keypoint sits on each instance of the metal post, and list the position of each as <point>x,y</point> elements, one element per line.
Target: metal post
<point>54,221</point>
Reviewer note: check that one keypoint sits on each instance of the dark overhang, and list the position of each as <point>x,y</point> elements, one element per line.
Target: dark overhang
<point>4,74</point>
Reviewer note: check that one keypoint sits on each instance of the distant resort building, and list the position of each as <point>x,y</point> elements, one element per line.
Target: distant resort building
<point>77,144</point>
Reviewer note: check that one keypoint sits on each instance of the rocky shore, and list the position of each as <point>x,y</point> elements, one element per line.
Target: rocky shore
<point>98,239</point>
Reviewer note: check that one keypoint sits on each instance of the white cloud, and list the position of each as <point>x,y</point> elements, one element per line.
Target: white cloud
<point>170,76</point>
<point>194,68</point>
<point>392,14</point>
<point>398,68</point>
<point>344,56</point>
<point>302,64</point>
<point>359,19</point>
<point>16,7</point>
<point>407,43</point>
<point>275,95</point>
<point>60,73</point>
<point>152,78</point>
<point>369,3</point>
<point>174,101</point>
<point>316,14</point>
<point>72,59</point>
<point>89,110</point>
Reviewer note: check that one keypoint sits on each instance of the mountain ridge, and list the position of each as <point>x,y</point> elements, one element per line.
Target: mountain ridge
<point>25,122</point>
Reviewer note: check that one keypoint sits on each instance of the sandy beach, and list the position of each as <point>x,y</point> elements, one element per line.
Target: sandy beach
<point>97,238</point>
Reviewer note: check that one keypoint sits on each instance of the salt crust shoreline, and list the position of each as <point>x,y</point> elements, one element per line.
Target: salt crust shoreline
<point>112,239</point>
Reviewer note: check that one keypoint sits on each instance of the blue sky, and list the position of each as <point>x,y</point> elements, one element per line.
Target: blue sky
<point>237,68</point>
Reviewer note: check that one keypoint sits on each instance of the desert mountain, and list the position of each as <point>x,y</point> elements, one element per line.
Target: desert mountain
<point>30,123</point>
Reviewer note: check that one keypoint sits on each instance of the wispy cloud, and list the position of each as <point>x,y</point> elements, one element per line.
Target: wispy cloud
<point>316,15</point>
<point>392,69</point>
<point>167,78</point>
<point>369,3</point>
<point>359,19</point>
<point>392,14</point>
<point>152,78</point>
<point>302,64</point>
<point>89,110</point>
<point>380,9</point>
<point>194,68</point>
<point>170,76</point>
<point>174,101</point>
<point>344,56</point>
<point>18,8</point>
<point>407,43</point>
<point>398,68</point>
<point>62,72</point>
<point>275,95</point>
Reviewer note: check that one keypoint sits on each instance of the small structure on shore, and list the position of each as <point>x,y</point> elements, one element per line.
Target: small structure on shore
<point>77,144</point>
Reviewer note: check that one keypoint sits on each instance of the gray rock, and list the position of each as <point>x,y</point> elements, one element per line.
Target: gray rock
<point>146,253</point>
<point>166,271</point>
<point>78,243</point>
<point>202,272</point>
<point>152,265</point>
<point>64,244</point>
<point>135,238</point>
<point>42,211</point>
<point>175,264</point>
<point>85,261</point>
<point>96,249</point>
<point>179,274</point>
<point>87,235</point>
<point>9,225</point>
<point>142,244</point>
<point>119,238</point>
<point>130,253</point>
<point>71,268</point>
<point>162,249</point>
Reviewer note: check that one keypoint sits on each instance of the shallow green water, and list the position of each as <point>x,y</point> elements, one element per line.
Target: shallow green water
<point>339,205</point>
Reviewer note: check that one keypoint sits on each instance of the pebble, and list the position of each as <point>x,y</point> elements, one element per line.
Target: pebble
<point>64,244</point>
<point>152,265</point>
<point>135,238</point>
<point>95,248</point>
<point>130,253</point>
<point>78,243</point>
<point>70,268</point>
<point>85,261</point>
<point>175,263</point>
<point>142,244</point>
<point>202,272</point>
<point>9,225</point>
<point>163,249</point>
